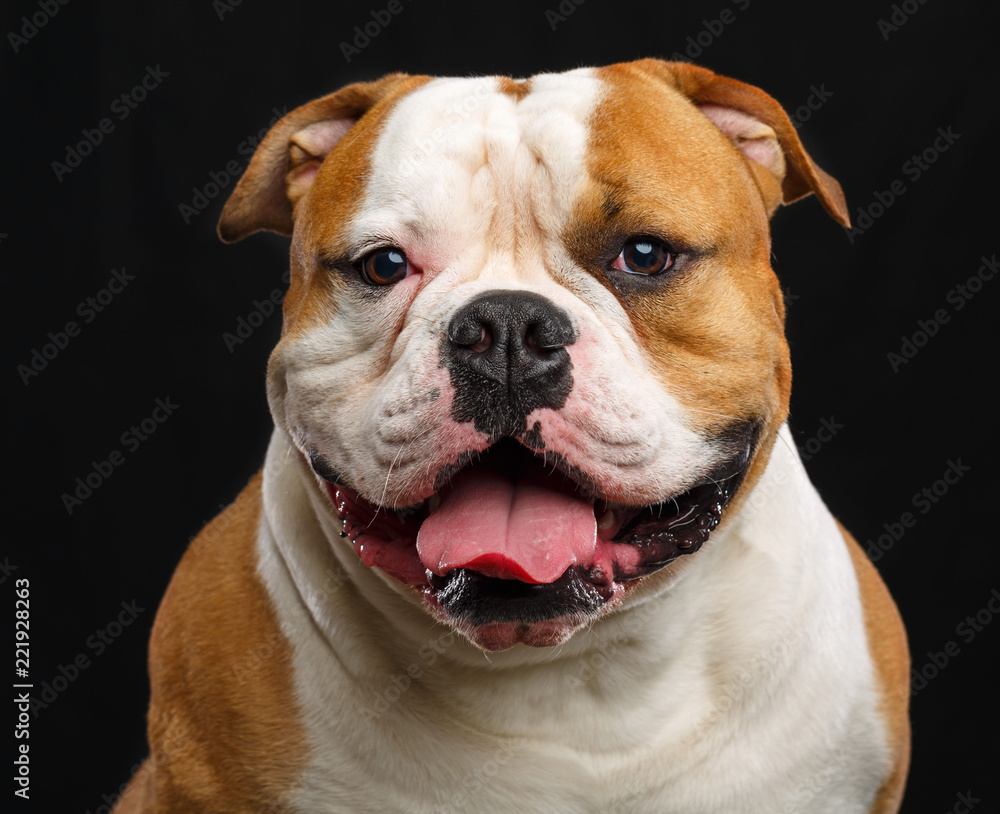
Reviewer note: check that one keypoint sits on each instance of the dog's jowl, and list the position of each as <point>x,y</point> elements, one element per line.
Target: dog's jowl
<point>531,534</point>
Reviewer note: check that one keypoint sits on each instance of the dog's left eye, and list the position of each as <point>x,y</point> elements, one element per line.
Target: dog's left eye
<point>644,256</point>
<point>384,267</point>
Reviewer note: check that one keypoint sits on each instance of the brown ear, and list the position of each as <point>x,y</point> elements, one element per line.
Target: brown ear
<point>762,131</point>
<point>286,161</point>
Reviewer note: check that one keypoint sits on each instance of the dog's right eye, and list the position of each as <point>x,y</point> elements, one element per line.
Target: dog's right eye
<point>645,256</point>
<point>384,267</point>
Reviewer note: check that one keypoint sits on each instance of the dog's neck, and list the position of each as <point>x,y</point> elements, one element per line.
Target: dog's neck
<point>375,631</point>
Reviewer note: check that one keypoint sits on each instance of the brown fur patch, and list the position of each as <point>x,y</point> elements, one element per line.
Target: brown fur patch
<point>223,722</point>
<point>889,650</point>
<point>514,88</point>
<point>713,332</point>
<point>802,177</point>
<point>333,200</point>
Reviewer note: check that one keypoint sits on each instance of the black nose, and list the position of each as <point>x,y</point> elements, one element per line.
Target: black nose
<point>506,352</point>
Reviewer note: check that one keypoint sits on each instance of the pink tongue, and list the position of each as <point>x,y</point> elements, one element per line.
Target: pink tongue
<point>527,530</point>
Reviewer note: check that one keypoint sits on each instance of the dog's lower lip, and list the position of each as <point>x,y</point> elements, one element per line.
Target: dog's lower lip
<point>472,597</point>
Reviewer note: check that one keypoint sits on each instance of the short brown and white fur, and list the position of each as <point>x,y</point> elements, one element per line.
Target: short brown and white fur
<point>549,295</point>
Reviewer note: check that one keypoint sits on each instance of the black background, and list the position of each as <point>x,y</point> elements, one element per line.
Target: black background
<point>885,94</point>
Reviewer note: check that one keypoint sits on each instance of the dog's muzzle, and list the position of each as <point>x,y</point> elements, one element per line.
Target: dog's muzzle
<point>514,534</point>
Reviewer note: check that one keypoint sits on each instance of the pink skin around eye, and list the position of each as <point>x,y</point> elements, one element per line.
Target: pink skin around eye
<point>412,269</point>
<point>409,285</point>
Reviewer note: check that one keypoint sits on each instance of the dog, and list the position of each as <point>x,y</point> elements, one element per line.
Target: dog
<point>531,533</point>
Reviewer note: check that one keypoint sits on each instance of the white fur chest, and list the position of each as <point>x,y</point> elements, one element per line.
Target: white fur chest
<point>744,685</point>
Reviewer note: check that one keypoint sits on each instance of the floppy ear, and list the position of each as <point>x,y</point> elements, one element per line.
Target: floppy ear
<point>759,127</point>
<point>286,161</point>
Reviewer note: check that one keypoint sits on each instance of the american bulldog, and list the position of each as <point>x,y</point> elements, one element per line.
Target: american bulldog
<point>531,534</point>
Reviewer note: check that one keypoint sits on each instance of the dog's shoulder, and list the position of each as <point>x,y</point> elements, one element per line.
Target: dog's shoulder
<point>217,652</point>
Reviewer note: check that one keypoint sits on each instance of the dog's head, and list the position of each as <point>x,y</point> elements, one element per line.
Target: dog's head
<point>533,347</point>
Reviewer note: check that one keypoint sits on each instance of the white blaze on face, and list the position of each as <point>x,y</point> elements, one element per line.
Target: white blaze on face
<point>468,175</point>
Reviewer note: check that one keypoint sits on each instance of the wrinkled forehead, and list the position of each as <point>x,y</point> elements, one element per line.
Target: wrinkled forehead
<point>460,159</point>
<point>479,146</point>
<point>487,118</point>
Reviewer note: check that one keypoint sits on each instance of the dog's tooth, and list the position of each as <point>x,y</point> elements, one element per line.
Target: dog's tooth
<point>607,520</point>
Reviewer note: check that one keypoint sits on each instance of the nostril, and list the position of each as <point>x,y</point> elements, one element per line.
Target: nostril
<point>485,341</point>
<point>544,342</point>
<point>539,346</point>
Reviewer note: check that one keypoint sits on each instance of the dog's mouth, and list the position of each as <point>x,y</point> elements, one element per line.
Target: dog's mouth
<point>518,538</point>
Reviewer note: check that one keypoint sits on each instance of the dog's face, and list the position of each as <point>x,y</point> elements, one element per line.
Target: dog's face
<point>533,346</point>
